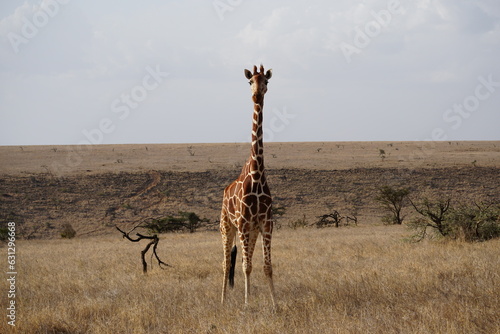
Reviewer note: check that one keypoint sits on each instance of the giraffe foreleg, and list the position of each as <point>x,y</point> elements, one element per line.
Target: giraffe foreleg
<point>248,240</point>
<point>266,249</point>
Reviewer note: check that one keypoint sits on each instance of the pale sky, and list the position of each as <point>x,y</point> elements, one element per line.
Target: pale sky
<point>112,72</point>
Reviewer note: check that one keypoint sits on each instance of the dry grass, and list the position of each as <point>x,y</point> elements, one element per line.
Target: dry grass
<point>352,280</point>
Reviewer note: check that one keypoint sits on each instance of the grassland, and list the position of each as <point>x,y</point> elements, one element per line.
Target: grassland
<point>363,279</point>
<point>351,280</point>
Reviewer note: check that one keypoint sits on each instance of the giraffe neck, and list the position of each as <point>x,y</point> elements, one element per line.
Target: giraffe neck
<point>257,153</point>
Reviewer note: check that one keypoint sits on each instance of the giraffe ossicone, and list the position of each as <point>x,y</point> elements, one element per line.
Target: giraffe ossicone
<point>247,202</point>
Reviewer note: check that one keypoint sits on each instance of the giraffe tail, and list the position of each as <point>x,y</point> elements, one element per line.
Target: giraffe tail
<point>234,251</point>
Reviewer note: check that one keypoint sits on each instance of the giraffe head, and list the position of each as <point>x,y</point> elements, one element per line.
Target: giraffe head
<point>258,82</point>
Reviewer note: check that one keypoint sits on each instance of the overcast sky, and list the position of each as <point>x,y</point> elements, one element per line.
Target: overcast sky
<point>106,72</point>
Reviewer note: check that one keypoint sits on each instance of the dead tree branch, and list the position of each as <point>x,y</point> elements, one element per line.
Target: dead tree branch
<point>330,219</point>
<point>154,242</point>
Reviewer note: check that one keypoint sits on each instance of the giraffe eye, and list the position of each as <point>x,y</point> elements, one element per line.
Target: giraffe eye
<point>250,83</point>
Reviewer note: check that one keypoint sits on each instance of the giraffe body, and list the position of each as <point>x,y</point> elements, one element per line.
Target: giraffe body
<point>247,202</point>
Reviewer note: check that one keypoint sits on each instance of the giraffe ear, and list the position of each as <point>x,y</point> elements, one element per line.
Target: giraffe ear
<point>248,74</point>
<point>269,74</point>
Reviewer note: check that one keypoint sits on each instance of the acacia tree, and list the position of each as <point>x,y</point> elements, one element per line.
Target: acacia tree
<point>392,201</point>
<point>435,216</point>
<point>335,219</point>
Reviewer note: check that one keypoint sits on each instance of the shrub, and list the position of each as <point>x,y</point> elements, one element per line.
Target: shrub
<point>67,231</point>
<point>475,222</point>
<point>4,233</point>
<point>278,212</point>
<point>299,223</point>
<point>183,221</point>
<point>470,222</point>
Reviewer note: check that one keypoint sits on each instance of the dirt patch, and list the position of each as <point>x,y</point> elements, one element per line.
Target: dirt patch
<point>61,161</point>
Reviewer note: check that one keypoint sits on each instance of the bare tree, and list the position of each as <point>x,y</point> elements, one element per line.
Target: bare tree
<point>330,219</point>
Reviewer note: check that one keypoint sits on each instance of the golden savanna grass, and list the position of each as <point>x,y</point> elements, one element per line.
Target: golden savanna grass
<point>365,279</point>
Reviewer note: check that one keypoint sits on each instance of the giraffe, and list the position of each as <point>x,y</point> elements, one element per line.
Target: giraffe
<point>246,206</point>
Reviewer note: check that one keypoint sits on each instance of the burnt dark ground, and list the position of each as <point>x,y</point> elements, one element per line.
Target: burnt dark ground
<point>42,203</point>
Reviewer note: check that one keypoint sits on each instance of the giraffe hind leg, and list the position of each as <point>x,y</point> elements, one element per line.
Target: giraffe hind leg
<point>228,234</point>
<point>234,252</point>
<point>268,267</point>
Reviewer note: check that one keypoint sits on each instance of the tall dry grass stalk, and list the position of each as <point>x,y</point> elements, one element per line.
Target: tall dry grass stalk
<point>353,280</point>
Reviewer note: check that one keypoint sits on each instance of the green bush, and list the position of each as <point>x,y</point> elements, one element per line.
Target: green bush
<point>475,222</point>
<point>183,221</point>
<point>469,221</point>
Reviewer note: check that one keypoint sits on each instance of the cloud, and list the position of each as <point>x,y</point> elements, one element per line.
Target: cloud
<point>43,38</point>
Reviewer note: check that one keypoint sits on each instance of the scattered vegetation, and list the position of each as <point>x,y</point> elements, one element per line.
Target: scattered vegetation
<point>183,221</point>
<point>467,221</point>
<point>299,223</point>
<point>329,219</point>
<point>392,200</point>
<point>278,212</point>
<point>475,221</point>
<point>336,219</point>
<point>67,231</point>
<point>381,154</point>
<point>4,233</point>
